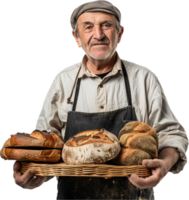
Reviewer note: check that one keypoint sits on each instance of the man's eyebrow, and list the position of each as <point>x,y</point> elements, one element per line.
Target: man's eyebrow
<point>104,22</point>
<point>87,22</point>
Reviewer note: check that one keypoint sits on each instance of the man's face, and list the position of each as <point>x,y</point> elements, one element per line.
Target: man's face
<point>98,35</point>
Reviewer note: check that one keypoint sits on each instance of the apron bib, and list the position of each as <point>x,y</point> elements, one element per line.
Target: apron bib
<point>95,187</point>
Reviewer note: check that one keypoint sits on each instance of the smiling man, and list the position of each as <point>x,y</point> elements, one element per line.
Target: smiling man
<point>103,91</point>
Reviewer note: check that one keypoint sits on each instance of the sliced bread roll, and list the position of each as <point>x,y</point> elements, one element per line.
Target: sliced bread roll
<point>39,146</point>
<point>91,147</point>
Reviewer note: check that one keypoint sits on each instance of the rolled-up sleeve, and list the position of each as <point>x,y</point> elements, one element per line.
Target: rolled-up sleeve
<point>49,118</point>
<point>170,131</point>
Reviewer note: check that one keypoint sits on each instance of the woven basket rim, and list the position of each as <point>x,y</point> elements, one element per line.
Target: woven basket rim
<point>92,170</point>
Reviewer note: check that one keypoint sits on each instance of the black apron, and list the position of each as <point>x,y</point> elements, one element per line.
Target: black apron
<point>96,187</point>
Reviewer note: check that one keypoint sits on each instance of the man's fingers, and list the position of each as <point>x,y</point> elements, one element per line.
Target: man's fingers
<point>151,163</point>
<point>144,183</point>
<point>27,175</point>
<point>40,181</point>
<point>17,166</point>
<point>134,179</point>
<point>27,180</point>
<point>156,167</point>
<point>21,178</point>
<point>16,169</point>
<point>44,178</point>
<point>34,182</point>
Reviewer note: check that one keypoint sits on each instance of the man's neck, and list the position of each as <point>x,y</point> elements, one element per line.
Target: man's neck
<point>101,66</point>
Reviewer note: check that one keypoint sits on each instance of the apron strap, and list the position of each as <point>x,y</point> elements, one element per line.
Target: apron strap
<point>69,99</point>
<point>128,91</point>
<point>127,86</point>
<point>76,94</point>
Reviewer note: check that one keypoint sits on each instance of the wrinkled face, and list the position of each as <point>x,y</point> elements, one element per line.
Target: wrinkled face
<point>98,35</point>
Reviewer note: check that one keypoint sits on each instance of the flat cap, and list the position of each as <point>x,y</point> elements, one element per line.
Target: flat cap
<point>94,6</point>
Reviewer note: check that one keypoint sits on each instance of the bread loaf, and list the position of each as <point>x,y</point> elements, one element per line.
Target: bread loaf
<point>138,141</point>
<point>91,147</point>
<point>39,146</point>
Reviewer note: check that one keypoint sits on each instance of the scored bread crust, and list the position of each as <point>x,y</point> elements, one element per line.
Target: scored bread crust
<point>88,137</point>
<point>91,147</point>
<point>35,139</point>
<point>39,146</point>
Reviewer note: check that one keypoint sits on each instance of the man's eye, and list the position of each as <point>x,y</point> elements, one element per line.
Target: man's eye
<point>89,27</point>
<point>107,25</point>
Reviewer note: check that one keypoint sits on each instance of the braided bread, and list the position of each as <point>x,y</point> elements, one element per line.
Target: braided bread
<point>138,141</point>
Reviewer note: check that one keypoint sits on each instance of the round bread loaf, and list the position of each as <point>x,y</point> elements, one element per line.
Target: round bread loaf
<point>39,146</point>
<point>91,147</point>
<point>139,141</point>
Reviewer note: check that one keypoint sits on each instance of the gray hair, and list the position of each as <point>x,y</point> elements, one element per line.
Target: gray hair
<point>118,27</point>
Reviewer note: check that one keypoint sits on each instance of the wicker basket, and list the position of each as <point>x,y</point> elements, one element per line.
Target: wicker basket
<point>92,170</point>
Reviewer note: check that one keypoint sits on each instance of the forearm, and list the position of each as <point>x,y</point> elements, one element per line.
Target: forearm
<point>170,156</point>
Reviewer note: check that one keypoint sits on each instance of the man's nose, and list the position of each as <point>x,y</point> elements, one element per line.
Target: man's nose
<point>98,33</point>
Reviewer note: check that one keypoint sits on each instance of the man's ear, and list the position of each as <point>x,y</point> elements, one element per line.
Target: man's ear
<point>76,38</point>
<point>120,35</point>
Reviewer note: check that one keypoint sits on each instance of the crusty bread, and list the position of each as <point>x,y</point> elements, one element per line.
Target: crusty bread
<point>47,155</point>
<point>35,139</point>
<point>138,141</point>
<point>39,146</point>
<point>91,147</point>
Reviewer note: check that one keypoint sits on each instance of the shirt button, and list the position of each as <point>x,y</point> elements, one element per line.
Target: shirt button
<point>101,86</point>
<point>102,107</point>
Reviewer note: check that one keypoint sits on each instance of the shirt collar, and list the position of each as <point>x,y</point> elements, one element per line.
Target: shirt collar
<point>84,72</point>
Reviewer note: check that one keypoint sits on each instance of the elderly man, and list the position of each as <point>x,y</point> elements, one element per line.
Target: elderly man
<point>101,92</point>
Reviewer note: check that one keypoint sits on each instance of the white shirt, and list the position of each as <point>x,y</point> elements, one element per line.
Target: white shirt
<point>148,98</point>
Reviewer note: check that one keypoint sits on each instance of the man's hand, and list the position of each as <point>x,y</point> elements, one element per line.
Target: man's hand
<point>159,167</point>
<point>28,180</point>
<point>159,170</point>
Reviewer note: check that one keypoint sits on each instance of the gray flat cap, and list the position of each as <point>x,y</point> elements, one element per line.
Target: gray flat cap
<point>95,6</point>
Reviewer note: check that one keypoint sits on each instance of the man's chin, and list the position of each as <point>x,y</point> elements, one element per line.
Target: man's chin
<point>99,57</point>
